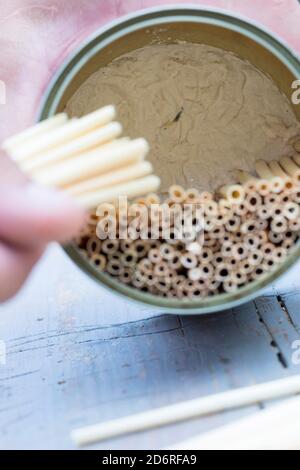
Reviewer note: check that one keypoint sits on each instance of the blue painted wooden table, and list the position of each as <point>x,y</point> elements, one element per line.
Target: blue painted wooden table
<point>77,355</point>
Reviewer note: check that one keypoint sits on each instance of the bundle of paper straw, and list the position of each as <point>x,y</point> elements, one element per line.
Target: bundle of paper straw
<point>85,156</point>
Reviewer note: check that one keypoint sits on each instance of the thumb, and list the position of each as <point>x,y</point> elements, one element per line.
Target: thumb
<point>33,215</point>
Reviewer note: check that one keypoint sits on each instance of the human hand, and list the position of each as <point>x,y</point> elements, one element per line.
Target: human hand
<point>31,216</point>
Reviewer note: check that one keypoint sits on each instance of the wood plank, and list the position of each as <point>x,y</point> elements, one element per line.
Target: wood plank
<point>280,327</point>
<point>80,355</point>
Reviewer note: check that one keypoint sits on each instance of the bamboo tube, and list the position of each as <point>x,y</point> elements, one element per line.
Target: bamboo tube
<point>106,180</point>
<point>205,196</point>
<point>192,194</point>
<point>207,271</point>
<point>294,225</point>
<point>279,224</point>
<point>99,260</point>
<point>275,237</point>
<point>279,254</point>
<point>76,146</point>
<point>246,267</point>
<point>291,210</point>
<point>244,177</point>
<point>275,428</point>
<point>251,241</point>
<point>238,277</point>
<point>130,189</point>
<point>93,245</point>
<point>253,201</point>
<point>264,212</point>
<point>195,274</point>
<point>264,171</point>
<point>240,209</point>
<point>206,255</point>
<point>41,128</point>
<point>189,260</point>
<point>230,286</point>
<point>87,164</point>
<point>186,410</point>
<point>177,193</point>
<point>233,223</point>
<point>263,187</point>
<point>255,257</point>
<point>234,193</point>
<point>72,129</point>
<point>290,167</point>
<point>224,207</point>
<point>222,272</point>
<point>277,169</point>
<point>240,250</point>
<point>194,247</point>
<point>211,208</point>
<point>258,272</point>
<point>226,249</point>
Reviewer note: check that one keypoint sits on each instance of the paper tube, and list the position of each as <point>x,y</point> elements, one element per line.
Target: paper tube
<point>72,129</point>
<point>235,193</point>
<point>263,170</point>
<point>244,177</point>
<point>76,146</point>
<point>277,169</point>
<point>94,162</point>
<point>130,189</point>
<point>38,129</point>
<point>112,178</point>
<point>290,167</point>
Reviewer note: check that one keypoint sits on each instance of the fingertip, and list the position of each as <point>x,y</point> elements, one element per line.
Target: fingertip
<point>57,216</point>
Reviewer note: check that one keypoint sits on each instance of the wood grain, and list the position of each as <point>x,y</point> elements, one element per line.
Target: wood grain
<point>77,355</point>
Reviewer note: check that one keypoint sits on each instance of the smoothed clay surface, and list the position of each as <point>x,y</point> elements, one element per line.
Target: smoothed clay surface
<point>204,111</point>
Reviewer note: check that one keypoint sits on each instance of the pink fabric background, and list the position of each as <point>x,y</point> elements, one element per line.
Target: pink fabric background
<point>35,36</point>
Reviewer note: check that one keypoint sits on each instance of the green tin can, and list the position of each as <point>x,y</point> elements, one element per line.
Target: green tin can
<point>168,25</point>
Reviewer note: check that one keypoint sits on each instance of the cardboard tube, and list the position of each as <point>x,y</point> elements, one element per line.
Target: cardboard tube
<point>72,129</point>
<point>76,146</point>
<point>130,189</point>
<point>36,130</point>
<point>127,173</point>
<point>263,187</point>
<point>177,193</point>
<point>91,163</point>
<point>277,169</point>
<point>244,177</point>
<point>234,193</point>
<point>263,170</point>
<point>290,167</point>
